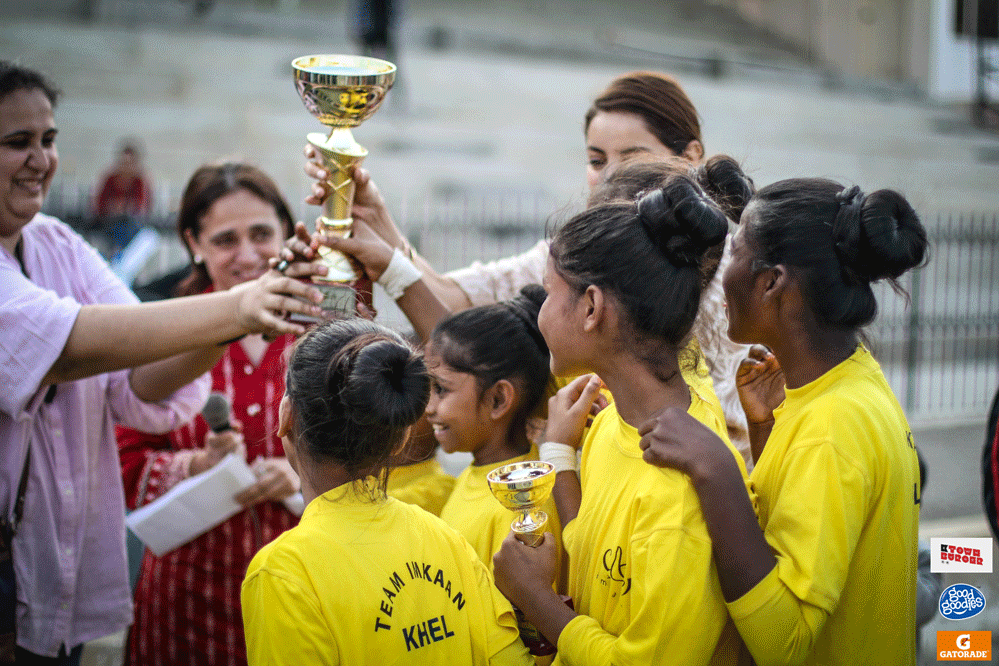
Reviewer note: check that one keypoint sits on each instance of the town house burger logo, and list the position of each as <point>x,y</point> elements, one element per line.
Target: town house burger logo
<point>960,601</point>
<point>961,555</point>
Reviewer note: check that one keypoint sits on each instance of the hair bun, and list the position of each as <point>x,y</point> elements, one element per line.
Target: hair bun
<point>682,221</point>
<point>878,236</point>
<point>387,384</point>
<point>724,181</point>
<point>526,307</point>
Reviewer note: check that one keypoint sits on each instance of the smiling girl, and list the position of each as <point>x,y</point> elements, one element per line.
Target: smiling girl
<point>489,374</point>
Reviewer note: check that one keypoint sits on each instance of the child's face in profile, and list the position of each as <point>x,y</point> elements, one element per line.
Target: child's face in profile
<point>459,418</point>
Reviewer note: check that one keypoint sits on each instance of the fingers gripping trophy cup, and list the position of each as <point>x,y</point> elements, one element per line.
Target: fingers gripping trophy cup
<point>342,91</point>
<point>524,487</point>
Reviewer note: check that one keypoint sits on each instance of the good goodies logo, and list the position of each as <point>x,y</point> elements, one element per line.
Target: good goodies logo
<point>960,601</point>
<point>961,555</point>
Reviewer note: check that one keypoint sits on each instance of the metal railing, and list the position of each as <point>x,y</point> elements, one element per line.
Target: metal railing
<point>939,347</point>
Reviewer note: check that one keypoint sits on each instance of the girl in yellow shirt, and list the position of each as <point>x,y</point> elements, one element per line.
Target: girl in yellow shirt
<point>624,284</point>
<point>488,375</point>
<point>831,576</point>
<point>365,578</point>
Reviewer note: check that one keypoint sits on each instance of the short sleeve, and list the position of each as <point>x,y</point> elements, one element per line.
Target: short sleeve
<point>283,621</point>
<point>36,324</point>
<point>813,528</point>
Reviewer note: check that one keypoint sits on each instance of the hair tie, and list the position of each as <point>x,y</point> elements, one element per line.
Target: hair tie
<point>846,231</point>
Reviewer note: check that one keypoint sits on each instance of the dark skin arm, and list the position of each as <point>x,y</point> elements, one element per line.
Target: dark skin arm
<point>742,555</point>
<point>525,575</point>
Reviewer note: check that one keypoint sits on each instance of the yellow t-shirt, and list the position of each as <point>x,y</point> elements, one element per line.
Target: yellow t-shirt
<point>838,488</point>
<point>424,484</point>
<point>374,582</point>
<point>641,571</point>
<point>478,516</point>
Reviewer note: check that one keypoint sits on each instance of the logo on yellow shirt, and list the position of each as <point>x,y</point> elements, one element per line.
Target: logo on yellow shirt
<point>614,569</point>
<point>964,646</point>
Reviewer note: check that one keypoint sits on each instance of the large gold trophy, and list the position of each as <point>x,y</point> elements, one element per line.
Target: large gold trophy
<point>342,91</point>
<point>524,487</point>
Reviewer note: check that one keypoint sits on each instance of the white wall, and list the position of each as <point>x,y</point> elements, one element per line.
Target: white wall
<point>952,58</point>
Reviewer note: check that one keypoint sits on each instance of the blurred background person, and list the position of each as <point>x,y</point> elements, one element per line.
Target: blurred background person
<point>125,198</point>
<point>232,219</point>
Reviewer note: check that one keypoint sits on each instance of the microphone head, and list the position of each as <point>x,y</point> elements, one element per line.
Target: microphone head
<point>216,412</point>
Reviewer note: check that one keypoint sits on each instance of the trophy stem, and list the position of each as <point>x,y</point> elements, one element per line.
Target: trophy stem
<point>529,528</point>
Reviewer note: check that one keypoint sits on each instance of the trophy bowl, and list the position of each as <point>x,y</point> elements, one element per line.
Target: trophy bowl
<point>342,90</point>
<point>524,487</point>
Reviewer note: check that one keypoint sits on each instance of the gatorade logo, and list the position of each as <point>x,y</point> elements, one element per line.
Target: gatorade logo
<point>964,646</point>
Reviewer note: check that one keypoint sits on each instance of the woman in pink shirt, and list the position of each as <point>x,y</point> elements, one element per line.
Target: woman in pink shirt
<point>78,353</point>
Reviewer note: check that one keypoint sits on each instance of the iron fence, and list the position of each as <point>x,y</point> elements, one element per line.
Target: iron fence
<point>938,341</point>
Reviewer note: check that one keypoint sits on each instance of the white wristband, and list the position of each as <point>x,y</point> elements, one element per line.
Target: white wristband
<point>562,456</point>
<point>399,274</point>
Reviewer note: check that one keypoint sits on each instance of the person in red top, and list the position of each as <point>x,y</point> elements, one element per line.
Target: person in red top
<point>124,198</point>
<point>232,219</point>
<point>125,190</point>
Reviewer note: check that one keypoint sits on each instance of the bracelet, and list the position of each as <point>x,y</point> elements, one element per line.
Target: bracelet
<point>398,275</point>
<point>562,456</point>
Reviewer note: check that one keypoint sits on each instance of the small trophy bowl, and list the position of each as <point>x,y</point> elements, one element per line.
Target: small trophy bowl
<point>524,487</point>
<point>342,90</point>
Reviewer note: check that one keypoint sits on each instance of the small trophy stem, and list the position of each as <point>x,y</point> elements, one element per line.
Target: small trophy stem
<point>529,528</point>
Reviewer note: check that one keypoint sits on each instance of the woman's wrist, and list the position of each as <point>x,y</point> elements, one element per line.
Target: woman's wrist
<point>398,275</point>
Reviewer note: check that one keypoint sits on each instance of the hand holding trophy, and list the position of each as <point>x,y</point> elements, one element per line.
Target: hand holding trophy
<point>342,91</point>
<point>524,487</point>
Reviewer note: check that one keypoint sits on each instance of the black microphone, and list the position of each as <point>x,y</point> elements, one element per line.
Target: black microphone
<point>216,412</point>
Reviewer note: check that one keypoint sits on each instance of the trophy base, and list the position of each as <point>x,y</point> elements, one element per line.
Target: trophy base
<point>339,301</point>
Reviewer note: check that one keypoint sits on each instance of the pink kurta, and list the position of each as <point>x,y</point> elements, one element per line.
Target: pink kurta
<point>69,555</point>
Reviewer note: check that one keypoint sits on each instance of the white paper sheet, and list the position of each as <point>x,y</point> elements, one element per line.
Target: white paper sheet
<point>192,507</point>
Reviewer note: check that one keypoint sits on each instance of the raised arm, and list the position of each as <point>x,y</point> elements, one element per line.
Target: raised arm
<point>369,210</point>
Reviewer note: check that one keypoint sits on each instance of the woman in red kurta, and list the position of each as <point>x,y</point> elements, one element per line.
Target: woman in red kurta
<point>187,602</point>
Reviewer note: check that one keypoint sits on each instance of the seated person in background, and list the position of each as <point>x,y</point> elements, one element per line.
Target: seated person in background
<point>233,220</point>
<point>365,578</point>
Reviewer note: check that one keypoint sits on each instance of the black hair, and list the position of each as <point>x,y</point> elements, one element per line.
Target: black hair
<point>355,387</point>
<point>14,77</point>
<point>648,255</point>
<point>839,240</point>
<point>720,177</point>
<point>500,341</point>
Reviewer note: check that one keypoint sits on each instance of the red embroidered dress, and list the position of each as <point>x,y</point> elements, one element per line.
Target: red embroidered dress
<point>187,607</point>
